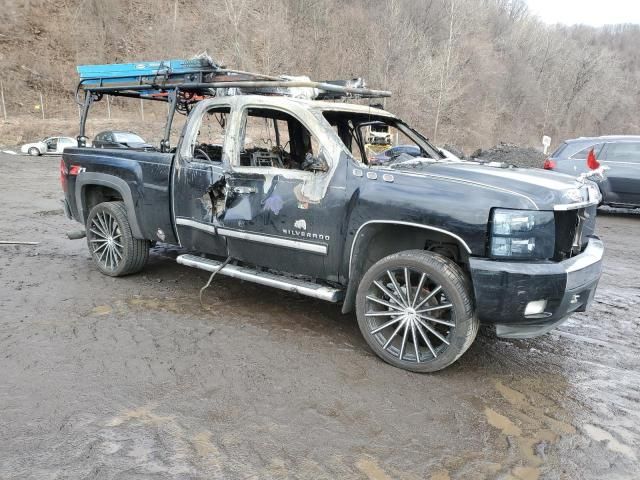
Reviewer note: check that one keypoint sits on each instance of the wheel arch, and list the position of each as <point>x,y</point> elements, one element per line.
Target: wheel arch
<point>95,187</point>
<point>377,239</point>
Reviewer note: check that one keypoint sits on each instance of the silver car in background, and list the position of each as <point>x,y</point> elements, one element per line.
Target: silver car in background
<point>620,154</point>
<point>48,146</point>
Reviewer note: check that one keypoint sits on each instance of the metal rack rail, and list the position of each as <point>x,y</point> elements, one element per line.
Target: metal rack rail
<point>182,83</point>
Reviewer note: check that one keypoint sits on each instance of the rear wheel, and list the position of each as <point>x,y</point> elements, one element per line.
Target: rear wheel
<point>114,249</point>
<point>415,310</point>
<point>34,152</point>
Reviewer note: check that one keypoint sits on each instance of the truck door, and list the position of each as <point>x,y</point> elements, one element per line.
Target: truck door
<point>52,145</point>
<point>280,189</point>
<point>198,182</point>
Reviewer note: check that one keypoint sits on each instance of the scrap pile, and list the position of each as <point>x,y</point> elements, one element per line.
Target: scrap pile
<point>511,154</point>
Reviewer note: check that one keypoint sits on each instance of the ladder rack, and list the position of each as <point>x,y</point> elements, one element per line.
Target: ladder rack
<point>184,82</point>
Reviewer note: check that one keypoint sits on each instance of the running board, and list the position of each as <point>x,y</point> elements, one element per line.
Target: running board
<point>302,287</point>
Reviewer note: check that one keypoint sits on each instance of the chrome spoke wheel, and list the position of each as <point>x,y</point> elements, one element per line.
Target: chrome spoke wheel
<point>409,315</point>
<point>105,240</point>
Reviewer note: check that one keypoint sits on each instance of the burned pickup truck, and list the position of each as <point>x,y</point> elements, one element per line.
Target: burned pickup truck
<point>270,183</point>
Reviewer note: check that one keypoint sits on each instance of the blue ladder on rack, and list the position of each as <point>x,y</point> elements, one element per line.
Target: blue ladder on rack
<point>145,72</point>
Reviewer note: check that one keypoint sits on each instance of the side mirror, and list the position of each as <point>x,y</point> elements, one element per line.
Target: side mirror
<point>315,164</point>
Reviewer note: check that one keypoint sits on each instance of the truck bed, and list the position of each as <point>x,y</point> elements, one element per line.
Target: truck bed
<point>139,178</point>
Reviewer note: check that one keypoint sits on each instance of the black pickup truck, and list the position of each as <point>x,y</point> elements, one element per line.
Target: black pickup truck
<point>279,191</point>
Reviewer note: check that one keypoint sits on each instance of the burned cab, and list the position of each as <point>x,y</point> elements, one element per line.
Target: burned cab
<point>273,183</point>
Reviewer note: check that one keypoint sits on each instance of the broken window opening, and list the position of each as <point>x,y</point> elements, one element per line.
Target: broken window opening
<point>276,139</point>
<point>379,140</point>
<point>209,143</point>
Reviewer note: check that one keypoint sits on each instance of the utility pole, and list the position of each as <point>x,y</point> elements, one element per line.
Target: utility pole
<point>175,15</point>
<point>41,105</point>
<point>108,107</point>
<point>142,109</point>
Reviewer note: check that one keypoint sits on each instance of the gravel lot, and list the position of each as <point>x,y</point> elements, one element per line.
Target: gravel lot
<point>132,378</point>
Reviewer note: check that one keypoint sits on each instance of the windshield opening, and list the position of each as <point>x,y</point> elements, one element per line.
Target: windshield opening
<point>377,140</point>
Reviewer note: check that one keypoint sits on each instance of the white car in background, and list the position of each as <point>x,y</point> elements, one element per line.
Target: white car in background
<point>49,146</point>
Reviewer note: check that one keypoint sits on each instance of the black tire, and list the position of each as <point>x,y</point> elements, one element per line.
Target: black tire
<point>124,254</point>
<point>432,278</point>
<point>34,152</point>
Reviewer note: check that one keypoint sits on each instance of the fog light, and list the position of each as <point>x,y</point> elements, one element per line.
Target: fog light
<point>535,307</point>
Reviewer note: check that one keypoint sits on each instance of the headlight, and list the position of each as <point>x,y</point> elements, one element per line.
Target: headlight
<point>522,234</point>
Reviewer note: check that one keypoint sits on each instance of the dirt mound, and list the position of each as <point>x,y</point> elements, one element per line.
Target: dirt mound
<point>457,151</point>
<point>513,154</point>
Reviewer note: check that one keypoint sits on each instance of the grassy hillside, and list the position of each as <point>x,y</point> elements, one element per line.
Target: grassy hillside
<point>467,72</point>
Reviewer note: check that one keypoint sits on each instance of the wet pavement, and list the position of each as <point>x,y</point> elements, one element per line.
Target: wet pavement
<point>133,378</point>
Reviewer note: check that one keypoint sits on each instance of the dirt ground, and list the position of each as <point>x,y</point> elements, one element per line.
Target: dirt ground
<point>131,378</point>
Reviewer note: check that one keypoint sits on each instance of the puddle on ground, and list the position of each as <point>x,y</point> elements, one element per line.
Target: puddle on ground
<point>208,452</point>
<point>600,435</point>
<point>440,475</point>
<point>526,473</point>
<point>530,414</point>
<point>152,443</point>
<point>506,426</point>
<point>371,469</point>
<point>527,428</point>
<point>101,310</point>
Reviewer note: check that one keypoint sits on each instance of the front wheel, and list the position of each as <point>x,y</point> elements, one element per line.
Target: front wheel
<point>415,310</point>
<point>34,152</point>
<point>113,247</point>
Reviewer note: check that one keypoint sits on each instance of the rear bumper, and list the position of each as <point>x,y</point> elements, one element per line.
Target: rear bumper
<point>503,290</point>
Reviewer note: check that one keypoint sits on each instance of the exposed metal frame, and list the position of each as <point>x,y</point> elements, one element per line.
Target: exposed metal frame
<point>88,100</point>
<point>173,103</point>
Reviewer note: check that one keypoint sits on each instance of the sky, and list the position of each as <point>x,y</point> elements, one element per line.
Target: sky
<point>588,12</point>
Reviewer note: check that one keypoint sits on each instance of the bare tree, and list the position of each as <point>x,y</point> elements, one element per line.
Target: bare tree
<point>444,75</point>
<point>471,72</point>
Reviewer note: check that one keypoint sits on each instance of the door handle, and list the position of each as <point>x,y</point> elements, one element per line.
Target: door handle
<point>244,190</point>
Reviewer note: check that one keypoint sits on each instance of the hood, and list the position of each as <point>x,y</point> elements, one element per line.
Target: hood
<point>544,189</point>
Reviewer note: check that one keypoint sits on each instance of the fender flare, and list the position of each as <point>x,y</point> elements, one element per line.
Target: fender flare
<point>85,179</point>
<point>352,285</point>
